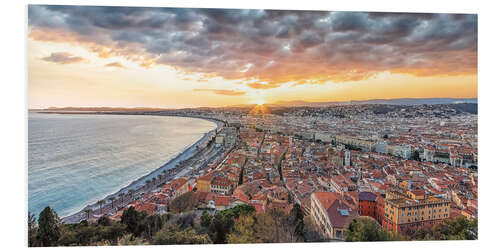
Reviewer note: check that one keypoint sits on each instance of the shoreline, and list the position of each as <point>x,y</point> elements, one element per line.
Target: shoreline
<point>186,153</point>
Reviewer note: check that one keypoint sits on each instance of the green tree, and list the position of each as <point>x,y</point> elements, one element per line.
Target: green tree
<point>205,219</point>
<point>130,240</point>
<point>120,195</point>
<point>153,224</point>
<point>104,221</point>
<point>100,203</point>
<point>367,229</point>
<point>223,222</point>
<point>272,226</point>
<point>48,227</point>
<point>112,199</point>
<point>32,230</point>
<point>113,232</point>
<point>88,212</point>
<point>310,232</point>
<point>459,228</point>
<point>172,234</point>
<point>134,221</point>
<point>296,222</point>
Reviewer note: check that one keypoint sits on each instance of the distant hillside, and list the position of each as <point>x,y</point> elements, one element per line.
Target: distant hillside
<point>400,101</point>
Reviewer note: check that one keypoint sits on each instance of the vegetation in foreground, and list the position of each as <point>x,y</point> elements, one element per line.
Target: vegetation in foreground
<point>240,224</point>
<point>367,229</point>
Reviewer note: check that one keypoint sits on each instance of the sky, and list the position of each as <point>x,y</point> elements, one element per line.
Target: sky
<point>179,57</point>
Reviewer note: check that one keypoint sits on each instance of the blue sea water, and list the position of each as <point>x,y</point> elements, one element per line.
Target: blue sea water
<point>75,160</point>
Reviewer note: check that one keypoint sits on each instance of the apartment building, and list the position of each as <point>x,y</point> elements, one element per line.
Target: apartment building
<point>331,214</point>
<point>406,212</point>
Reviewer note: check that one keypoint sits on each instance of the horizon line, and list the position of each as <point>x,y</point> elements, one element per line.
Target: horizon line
<point>249,104</point>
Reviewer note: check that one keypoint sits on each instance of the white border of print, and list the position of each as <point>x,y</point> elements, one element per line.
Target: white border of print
<point>14,104</point>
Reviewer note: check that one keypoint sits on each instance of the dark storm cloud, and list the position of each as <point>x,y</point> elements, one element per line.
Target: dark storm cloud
<point>63,58</point>
<point>280,46</point>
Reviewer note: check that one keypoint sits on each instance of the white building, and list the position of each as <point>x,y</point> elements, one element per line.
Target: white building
<point>347,156</point>
<point>381,147</point>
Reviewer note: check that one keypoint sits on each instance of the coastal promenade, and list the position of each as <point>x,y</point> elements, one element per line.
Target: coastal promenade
<point>192,158</point>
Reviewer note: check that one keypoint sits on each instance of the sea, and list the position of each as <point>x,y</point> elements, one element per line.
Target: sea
<point>76,159</point>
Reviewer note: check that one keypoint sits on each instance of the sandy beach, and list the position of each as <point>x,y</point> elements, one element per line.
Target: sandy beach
<point>139,183</point>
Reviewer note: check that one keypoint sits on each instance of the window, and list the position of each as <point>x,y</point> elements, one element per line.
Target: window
<point>338,234</point>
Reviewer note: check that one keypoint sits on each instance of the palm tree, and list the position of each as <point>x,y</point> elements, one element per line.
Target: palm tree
<point>88,212</point>
<point>147,183</point>
<point>154,180</point>
<point>100,202</point>
<point>164,173</point>
<point>112,199</point>
<point>131,192</point>
<point>121,197</point>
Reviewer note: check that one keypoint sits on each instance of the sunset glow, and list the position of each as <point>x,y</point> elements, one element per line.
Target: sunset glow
<point>173,58</point>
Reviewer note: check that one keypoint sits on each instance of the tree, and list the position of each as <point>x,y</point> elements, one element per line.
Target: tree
<point>104,221</point>
<point>415,156</point>
<point>186,220</point>
<point>32,228</point>
<point>153,224</point>
<point>113,232</point>
<point>459,228</point>
<point>367,229</point>
<point>130,240</point>
<point>133,220</point>
<point>262,228</point>
<point>220,227</point>
<point>205,219</point>
<point>100,203</point>
<point>48,227</point>
<point>121,197</point>
<point>184,202</point>
<point>112,199</point>
<point>296,222</point>
<point>172,234</point>
<point>310,232</point>
<point>88,212</point>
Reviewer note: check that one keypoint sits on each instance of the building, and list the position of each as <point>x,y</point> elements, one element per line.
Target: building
<point>406,213</point>
<point>367,204</point>
<point>323,137</point>
<point>176,187</point>
<point>203,183</point>
<point>347,155</point>
<point>331,214</point>
<point>219,141</point>
<point>220,185</point>
<point>381,147</point>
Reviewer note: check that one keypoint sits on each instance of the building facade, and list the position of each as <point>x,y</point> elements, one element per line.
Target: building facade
<point>404,214</point>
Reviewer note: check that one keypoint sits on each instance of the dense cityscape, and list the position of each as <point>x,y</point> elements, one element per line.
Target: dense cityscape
<point>404,169</point>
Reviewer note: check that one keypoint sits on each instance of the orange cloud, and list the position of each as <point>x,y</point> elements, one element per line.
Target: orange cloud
<point>222,92</point>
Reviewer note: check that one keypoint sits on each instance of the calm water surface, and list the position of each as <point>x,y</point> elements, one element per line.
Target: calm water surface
<point>74,160</point>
